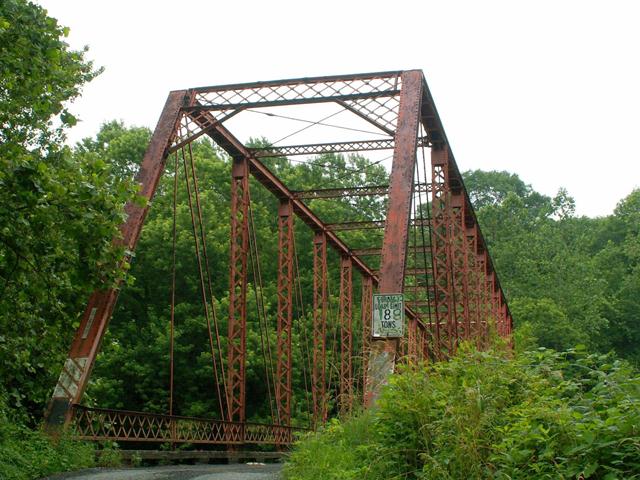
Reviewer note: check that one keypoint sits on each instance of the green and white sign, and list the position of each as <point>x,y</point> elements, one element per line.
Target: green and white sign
<point>388,315</point>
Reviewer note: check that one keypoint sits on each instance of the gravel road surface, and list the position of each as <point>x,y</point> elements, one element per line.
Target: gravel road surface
<point>180,472</point>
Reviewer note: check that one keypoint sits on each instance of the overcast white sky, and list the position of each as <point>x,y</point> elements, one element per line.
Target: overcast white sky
<point>549,90</point>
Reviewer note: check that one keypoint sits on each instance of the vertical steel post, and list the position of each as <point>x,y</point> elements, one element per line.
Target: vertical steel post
<point>285,312</point>
<point>464,273</point>
<point>412,340</point>
<point>420,337</point>
<point>346,337</point>
<point>366,305</point>
<point>394,244</point>
<point>239,252</point>
<point>86,343</point>
<point>424,343</point>
<point>495,295</point>
<point>482,298</point>
<point>320,310</point>
<point>441,246</point>
<point>457,263</point>
<point>488,298</point>
<point>473,281</point>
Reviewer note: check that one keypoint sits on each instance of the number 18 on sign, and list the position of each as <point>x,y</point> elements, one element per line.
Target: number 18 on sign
<point>388,315</point>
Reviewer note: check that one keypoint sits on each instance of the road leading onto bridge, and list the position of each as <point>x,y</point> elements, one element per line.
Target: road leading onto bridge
<point>181,472</point>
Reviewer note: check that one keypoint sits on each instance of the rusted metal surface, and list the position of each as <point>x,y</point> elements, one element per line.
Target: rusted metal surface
<point>359,225</point>
<point>401,185</point>
<point>320,314</point>
<point>285,285</point>
<point>236,150</point>
<point>346,192</point>
<point>375,251</point>
<point>346,335</point>
<point>237,328</point>
<point>372,96</point>
<point>451,287</point>
<point>102,424</point>
<point>441,249</point>
<point>394,244</point>
<point>366,318</point>
<point>322,148</point>
<point>328,193</point>
<point>368,225</point>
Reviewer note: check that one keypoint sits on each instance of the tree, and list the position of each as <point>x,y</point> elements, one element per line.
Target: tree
<point>40,74</point>
<point>58,212</point>
<point>619,259</point>
<point>542,258</point>
<point>549,323</point>
<point>491,188</point>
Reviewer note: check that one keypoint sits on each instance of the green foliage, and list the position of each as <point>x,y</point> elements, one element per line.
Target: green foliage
<point>568,280</point>
<point>334,453</point>
<point>58,210</point>
<point>489,415</point>
<point>27,454</point>
<point>39,74</point>
<point>109,457</point>
<point>491,188</point>
<point>549,323</point>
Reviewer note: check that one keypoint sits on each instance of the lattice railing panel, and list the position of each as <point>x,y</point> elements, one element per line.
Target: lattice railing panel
<point>118,425</point>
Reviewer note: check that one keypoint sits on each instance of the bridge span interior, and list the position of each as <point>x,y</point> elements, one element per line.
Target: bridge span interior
<point>414,232</point>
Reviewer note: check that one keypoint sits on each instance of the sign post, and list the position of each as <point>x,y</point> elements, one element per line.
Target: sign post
<point>388,315</point>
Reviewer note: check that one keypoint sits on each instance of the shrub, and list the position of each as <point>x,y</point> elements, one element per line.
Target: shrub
<point>28,454</point>
<point>487,415</point>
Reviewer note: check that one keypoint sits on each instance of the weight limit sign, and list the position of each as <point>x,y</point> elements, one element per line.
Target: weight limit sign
<point>388,315</point>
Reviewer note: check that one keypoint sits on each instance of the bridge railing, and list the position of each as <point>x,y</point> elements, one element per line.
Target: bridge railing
<point>124,425</point>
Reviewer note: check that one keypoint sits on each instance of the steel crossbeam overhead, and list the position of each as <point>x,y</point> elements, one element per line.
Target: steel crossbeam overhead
<point>451,289</point>
<point>328,193</point>
<point>372,96</point>
<point>376,251</point>
<point>368,225</point>
<point>347,226</point>
<point>374,190</point>
<point>322,148</point>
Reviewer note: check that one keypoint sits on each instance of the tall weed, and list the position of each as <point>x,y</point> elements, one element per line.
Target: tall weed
<point>487,415</point>
<point>27,454</point>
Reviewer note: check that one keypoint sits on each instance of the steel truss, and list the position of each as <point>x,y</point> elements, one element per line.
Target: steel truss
<point>285,312</point>
<point>366,314</point>
<point>373,190</point>
<point>455,295</point>
<point>346,335</point>
<point>237,341</point>
<point>320,314</point>
<point>334,147</point>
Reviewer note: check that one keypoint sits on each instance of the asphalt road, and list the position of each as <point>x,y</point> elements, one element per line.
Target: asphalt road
<point>180,472</point>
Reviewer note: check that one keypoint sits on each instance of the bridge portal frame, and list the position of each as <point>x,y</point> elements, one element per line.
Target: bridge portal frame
<point>397,103</point>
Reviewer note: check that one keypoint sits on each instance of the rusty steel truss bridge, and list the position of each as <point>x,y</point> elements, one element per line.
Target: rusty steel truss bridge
<point>431,250</point>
